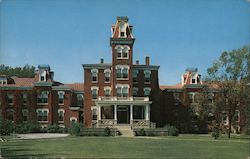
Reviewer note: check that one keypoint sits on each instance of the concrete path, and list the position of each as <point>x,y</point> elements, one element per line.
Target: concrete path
<point>40,135</point>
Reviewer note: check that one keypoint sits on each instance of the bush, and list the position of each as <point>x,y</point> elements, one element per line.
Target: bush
<point>216,131</point>
<point>27,128</point>
<point>172,130</point>
<point>75,129</point>
<point>141,132</point>
<point>107,131</point>
<point>6,126</point>
<point>55,129</point>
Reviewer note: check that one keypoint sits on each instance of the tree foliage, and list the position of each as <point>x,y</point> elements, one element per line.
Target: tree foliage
<point>26,71</point>
<point>231,74</point>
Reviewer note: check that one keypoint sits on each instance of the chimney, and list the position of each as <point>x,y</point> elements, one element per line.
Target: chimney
<point>137,62</point>
<point>102,61</point>
<point>147,60</point>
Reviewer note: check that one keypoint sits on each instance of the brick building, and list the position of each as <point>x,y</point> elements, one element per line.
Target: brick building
<point>117,92</point>
<point>40,99</point>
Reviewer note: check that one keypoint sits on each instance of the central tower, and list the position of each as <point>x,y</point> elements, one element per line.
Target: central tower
<point>121,42</point>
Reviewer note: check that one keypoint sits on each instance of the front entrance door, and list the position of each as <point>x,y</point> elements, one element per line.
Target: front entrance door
<point>122,115</point>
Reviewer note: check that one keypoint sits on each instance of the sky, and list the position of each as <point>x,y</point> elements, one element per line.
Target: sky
<point>176,34</point>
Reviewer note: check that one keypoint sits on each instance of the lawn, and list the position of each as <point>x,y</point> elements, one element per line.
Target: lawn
<point>120,147</point>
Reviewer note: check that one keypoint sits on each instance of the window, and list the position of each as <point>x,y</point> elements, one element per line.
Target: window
<point>191,97</point>
<point>79,99</point>
<point>107,75</point>
<point>147,91</point>
<point>147,74</point>
<point>119,52</point>
<point>94,91</point>
<point>107,91</point>
<point>10,98</point>
<point>61,115</point>
<point>94,113</point>
<point>122,71</point>
<point>94,74</point>
<point>176,96</point>
<point>224,119</point>
<point>122,90</point>
<point>237,116</point>
<point>24,98</point>
<point>135,74</point>
<point>122,30</point>
<point>10,115</point>
<point>122,51</point>
<point>135,91</point>
<point>25,115</point>
<point>73,119</point>
<point>42,76</point>
<point>61,97</point>
<point>210,97</point>
<point>42,115</point>
<point>42,97</point>
<point>193,80</point>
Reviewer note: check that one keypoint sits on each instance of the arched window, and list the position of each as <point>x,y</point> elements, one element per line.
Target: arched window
<point>122,72</point>
<point>61,115</point>
<point>79,99</point>
<point>107,74</point>
<point>147,74</point>
<point>147,91</point>
<point>94,91</point>
<point>60,97</point>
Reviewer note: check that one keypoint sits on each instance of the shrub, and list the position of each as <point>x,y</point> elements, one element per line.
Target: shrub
<point>75,129</point>
<point>216,131</point>
<point>172,130</point>
<point>54,129</point>
<point>140,132</point>
<point>107,131</point>
<point>27,128</point>
<point>6,126</point>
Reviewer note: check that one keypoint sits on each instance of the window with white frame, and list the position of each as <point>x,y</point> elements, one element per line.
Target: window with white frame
<point>210,97</point>
<point>43,76</point>
<point>10,98</point>
<point>73,119</point>
<point>122,51</point>
<point>147,91</point>
<point>191,97</point>
<point>147,75</point>
<point>42,97</point>
<point>122,30</point>
<point>107,74</point>
<point>42,115</point>
<point>122,90</point>
<point>135,91</point>
<point>94,91</point>
<point>122,71</point>
<point>60,97</point>
<point>94,75</point>
<point>79,99</point>
<point>225,119</point>
<point>24,99</point>
<point>60,115</point>
<point>107,91</point>
<point>135,74</point>
<point>25,113</point>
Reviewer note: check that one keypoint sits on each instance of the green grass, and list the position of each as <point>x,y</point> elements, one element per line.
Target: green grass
<point>118,147</point>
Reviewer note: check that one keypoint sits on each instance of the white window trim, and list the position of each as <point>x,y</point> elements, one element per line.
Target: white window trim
<point>42,109</point>
<point>73,118</point>
<point>61,110</point>
<point>122,47</point>
<point>125,25</point>
<point>122,67</point>
<point>147,89</point>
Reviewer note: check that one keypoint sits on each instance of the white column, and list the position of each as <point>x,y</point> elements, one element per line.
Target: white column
<point>131,114</point>
<point>115,113</point>
<point>147,112</point>
<point>99,113</point>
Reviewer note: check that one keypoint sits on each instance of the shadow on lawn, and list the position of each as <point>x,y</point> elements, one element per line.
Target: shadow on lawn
<point>14,152</point>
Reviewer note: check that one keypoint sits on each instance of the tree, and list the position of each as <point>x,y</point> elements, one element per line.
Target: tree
<point>26,71</point>
<point>231,73</point>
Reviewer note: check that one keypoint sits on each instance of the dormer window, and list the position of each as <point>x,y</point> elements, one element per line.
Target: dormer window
<point>43,76</point>
<point>122,30</point>
<point>193,80</point>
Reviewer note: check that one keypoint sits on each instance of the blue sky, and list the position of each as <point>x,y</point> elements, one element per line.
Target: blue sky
<point>176,34</point>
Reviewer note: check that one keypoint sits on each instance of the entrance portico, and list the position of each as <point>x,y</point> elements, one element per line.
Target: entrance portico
<point>112,111</point>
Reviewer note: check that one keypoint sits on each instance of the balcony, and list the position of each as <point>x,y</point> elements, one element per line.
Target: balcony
<point>123,99</point>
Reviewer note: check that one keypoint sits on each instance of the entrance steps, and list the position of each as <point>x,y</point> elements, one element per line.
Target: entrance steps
<point>125,130</point>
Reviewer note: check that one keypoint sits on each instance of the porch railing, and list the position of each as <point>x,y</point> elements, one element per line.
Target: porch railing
<point>123,99</point>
